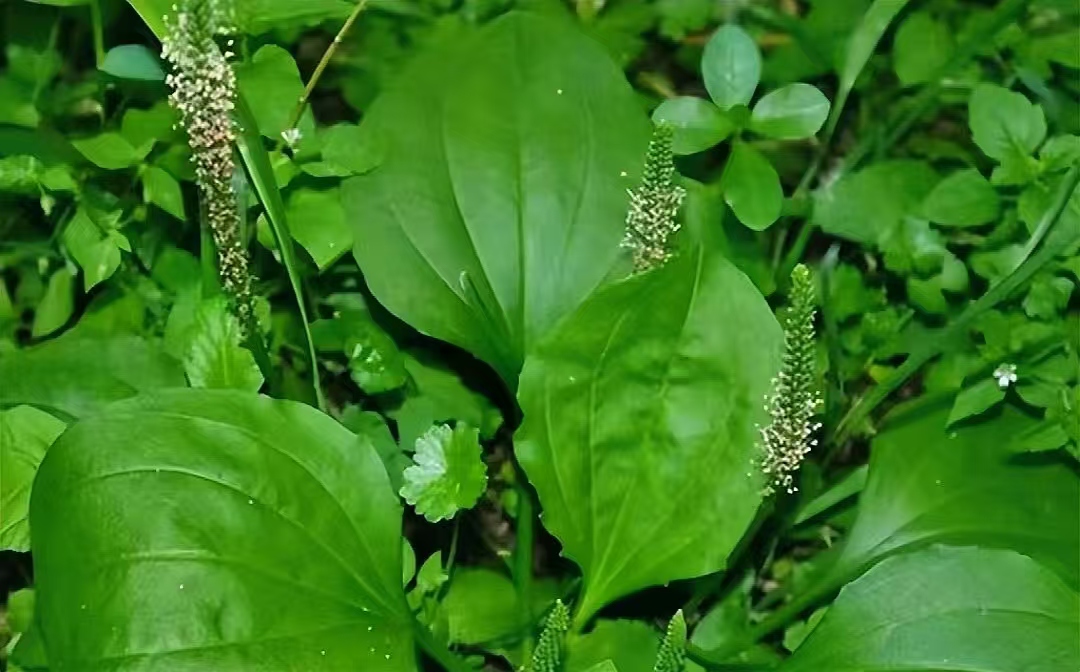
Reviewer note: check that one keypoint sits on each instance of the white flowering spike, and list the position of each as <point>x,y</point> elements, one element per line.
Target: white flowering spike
<point>204,93</point>
<point>794,402</point>
<point>1005,375</point>
<point>651,219</point>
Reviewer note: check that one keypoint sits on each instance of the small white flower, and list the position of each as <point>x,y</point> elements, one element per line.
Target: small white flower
<point>292,137</point>
<point>1005,375</point>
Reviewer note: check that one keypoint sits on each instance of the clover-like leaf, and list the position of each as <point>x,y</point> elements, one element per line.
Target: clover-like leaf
<point>448,475</point>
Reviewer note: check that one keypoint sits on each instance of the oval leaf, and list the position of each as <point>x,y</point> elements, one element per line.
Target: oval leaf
<point>752,188</point>
<point>948,609</point>
<point>731,67</point>
<point>964,198</point>
<point>516,145</point>
<point>273,536</point>
<point>697,123</point>
<point>641,407</point>
<point>790,113</point>
<point>133,61</point>
<point>964,486</point>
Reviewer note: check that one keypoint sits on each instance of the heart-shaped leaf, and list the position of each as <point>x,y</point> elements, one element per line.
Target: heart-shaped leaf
<point>516,145</point>
<point>218,530</point>
<point>641,407</point>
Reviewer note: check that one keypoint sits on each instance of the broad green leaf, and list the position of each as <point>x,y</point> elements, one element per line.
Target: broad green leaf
<point>931,485</point>
<point>516,144</point>
<point>214,357</point>
<point>218,530</point>
<point>350,148</point>
<point>863,206</point>
<point>921,47</point>
<point>317,221</point>
<point>751,187</point>
<point>630,645</point>
<point>790,113</point>
<point>133,61</point>
<point>78,376</point>
<point>641,406</point>
<point>962,199</point>
<point>162,189</point>
<point>58,304</point>
<point>449,474</point>
<point>1004,123</point>
<point>976,399</point>
<point>697,123</point>
<point>111,151</point>
<point>948,608</point>
<point>271,84</point>
<point>731,67</point>
<point>25,434</point>
<point>482,605</point>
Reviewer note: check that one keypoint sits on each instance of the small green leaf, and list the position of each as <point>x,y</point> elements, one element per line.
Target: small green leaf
<point>790,113</point>
<point>317,221</point>
<point>948,608</point>
<point>271,84</point>
<point>57,306</point>
<point>351,148</point>
<point>962,199</point>
<point>111,151</point>
<point>752,188</point>
<point>672,654</point>
<point>163,190</point>
<point>731,67</point>
<point>133,61</point>
<point>375,363</point>
<point>1048,296</point>
<point>866,205</point>
<point>979,398</point>
<point>1060,152</point>
<point>921,47</point>
<point>1004,123</point>
<point>482,605</point>
<point>697,123</point>
<point>25,434</point>
<point>215,358</point>
<point>449,474</point>
<point>96,252</point>
<point>630,645</point>
<point>155,124</point>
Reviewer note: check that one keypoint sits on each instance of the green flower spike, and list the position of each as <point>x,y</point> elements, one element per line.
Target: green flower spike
<point>651,219</point>
<point>672,654</point>
<point>547,657</point>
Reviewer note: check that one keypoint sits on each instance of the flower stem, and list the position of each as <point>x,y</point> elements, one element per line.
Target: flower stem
<point>98,28</point>
<point>301,105</point>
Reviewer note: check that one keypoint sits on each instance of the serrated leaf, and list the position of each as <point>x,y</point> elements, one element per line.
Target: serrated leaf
<point>215,358</point>
<point>731,67</point>
<point>752,188</point>
<point>696,122</point>
<point>448,475</point>
<point>25,434</point>
<point>792,112</point>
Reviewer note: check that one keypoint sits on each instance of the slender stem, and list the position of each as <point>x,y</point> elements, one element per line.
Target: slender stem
<point>98,28</point>
<point>999,292</point>
<point>523,559</point>
<point>301,105</point>
<point>437,650</point>
<point>452,556</point>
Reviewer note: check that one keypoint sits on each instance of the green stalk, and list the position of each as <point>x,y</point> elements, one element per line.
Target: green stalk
<point>523,559</point>
<point>437,650</point>
<point>995,295</point>
<point>301,105</point>
<point>98,28</point>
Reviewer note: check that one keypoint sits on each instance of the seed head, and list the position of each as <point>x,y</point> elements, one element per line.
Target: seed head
<point>204,93</point>
<point>651,219</point>
<point>794,402</point>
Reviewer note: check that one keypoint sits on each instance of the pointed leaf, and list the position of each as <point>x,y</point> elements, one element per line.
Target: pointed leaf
<point>516,145</point>
<point>214,357</point>
<point>641,407</point>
